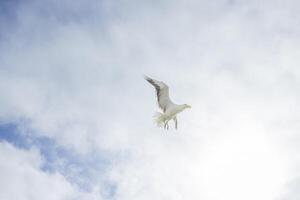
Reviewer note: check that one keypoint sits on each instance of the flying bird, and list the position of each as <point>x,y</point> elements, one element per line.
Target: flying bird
<point>169,109</point>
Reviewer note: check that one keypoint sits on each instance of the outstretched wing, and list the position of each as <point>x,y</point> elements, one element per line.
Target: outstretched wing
<point>162,92</point>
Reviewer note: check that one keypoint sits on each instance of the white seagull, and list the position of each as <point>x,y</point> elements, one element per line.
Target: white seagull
<point>170,109</point>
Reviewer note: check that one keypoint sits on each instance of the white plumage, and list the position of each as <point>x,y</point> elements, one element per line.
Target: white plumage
<point>170,109</point>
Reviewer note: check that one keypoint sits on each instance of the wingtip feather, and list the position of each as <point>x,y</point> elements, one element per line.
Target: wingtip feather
<point>146,77</point>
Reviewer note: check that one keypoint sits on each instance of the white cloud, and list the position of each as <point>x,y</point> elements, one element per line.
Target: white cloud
<point>22,178</point>
<point>78,79</point>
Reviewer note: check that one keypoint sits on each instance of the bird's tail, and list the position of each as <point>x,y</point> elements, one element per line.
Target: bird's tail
<point>159,119</point>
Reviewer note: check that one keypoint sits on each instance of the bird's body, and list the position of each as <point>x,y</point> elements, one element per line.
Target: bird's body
<point>170,109</point>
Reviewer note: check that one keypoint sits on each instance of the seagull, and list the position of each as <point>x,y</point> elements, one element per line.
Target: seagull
<point>169,109</point>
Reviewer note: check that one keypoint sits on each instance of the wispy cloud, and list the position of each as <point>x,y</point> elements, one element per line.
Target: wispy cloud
<point>71,74</point>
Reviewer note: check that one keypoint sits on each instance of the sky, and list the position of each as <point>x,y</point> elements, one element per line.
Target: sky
<point>76,115</point>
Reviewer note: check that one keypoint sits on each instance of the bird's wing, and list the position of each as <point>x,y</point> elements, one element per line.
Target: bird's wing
<point>162,92</point>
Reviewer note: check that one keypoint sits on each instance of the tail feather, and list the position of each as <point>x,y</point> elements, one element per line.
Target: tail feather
<point>159,119</point>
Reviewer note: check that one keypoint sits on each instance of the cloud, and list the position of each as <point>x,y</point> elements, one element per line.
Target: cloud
<point>72,72</point>
<point>22,177</point>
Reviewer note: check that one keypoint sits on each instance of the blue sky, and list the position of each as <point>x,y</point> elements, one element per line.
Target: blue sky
<point>76,115</point>
<point>78,170</point>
